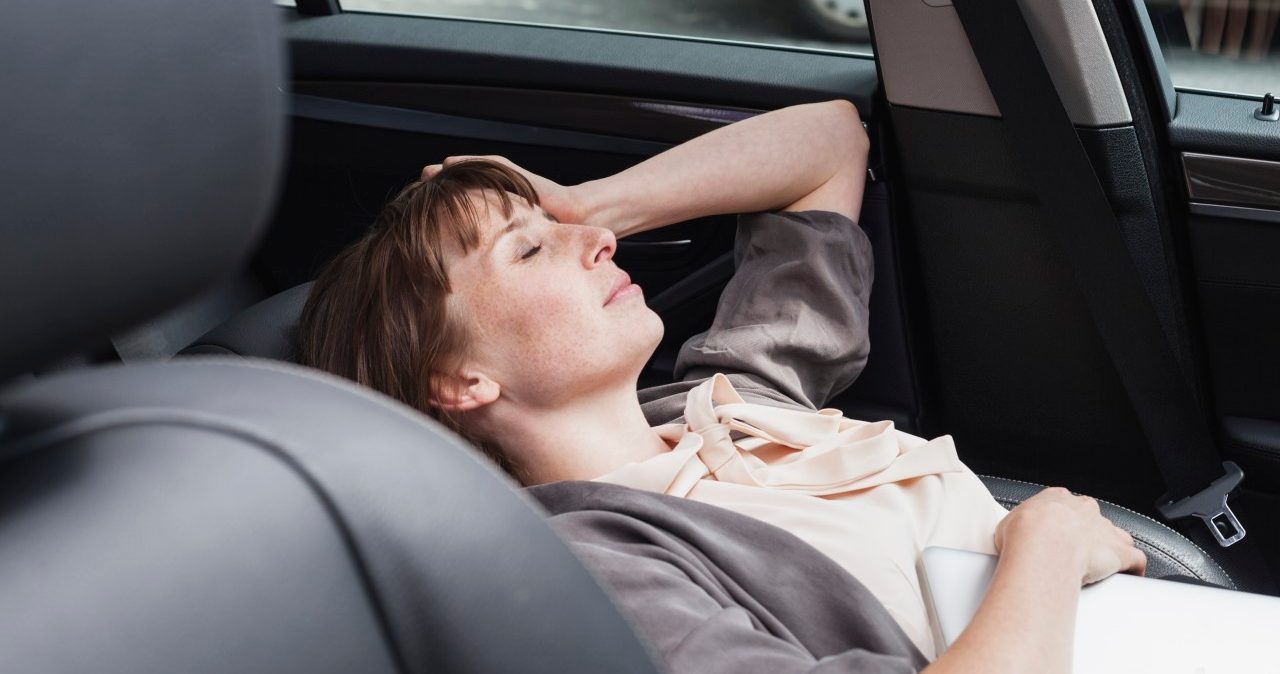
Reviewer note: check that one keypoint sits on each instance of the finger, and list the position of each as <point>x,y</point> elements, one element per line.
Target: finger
<point>1059,493</point>
<point>430,170</point>
<point>450,161</point>
<point>1139,565</point>
<point>1090,503</point>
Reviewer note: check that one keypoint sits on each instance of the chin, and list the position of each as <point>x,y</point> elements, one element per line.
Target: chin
<point>656,330</point>
<point>643,338</point>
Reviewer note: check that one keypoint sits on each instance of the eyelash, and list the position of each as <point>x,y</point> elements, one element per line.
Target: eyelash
<point>532,251</point>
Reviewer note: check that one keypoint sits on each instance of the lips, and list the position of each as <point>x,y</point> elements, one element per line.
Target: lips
<point>619,283</point>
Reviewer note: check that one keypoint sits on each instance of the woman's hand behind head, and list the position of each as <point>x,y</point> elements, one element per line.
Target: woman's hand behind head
<point>558,200</point>
<point>1072,525</point>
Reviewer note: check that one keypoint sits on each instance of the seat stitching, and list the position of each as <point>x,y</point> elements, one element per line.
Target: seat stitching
<point>1138,514</point>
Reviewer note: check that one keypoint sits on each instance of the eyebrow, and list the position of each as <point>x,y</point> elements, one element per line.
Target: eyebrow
<point>518,222</point>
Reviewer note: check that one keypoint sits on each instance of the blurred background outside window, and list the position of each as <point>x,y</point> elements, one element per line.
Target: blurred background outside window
<point>1215,45</point>
<point>1220,45</point>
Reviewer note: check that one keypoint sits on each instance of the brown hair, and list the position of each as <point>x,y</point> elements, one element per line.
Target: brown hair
<point>377,313</point>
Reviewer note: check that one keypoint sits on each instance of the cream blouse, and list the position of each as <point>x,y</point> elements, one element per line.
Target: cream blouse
<point>865,494</point>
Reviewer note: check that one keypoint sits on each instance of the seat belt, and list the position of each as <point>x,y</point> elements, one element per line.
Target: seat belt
<point>1082,220</point>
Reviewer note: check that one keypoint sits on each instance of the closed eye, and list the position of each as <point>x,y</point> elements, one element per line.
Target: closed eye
<point>532,251</point>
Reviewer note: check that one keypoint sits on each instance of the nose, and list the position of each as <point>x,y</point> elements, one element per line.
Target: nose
<point>601,244</point>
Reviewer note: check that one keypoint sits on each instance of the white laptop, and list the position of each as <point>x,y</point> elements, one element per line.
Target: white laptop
<point>1124,623</point>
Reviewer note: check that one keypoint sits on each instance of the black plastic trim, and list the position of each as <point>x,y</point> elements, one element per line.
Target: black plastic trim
<point>1149,48</point>
<point>625,116</point>
<point>417,121</point>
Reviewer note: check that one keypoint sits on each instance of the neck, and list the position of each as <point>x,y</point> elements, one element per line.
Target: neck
<point>584,439</point>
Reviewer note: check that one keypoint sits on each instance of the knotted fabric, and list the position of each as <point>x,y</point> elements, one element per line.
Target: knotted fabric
<point>869,496</point>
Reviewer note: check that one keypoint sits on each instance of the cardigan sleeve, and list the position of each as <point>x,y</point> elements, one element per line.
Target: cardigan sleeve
<point>794,315</point>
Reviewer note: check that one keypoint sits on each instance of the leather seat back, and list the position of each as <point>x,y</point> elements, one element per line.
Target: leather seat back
<point>215,515</point>
<point>142,145</point>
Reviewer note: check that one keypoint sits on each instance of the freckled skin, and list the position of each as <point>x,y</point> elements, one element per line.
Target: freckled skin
<point>542,330</point>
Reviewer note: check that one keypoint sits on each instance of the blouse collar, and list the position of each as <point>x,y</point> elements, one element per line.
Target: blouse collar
<point>815,452</point>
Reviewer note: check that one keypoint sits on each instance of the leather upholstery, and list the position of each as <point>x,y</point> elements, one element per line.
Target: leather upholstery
<point>217,514</point>
<point>1169,553</point>
<point>142,141</point>
<point>267,329</point>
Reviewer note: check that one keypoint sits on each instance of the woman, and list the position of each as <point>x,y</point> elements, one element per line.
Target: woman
<point>486,297</point>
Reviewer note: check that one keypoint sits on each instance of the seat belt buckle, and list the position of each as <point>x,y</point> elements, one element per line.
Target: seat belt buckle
<point>1210,505</point>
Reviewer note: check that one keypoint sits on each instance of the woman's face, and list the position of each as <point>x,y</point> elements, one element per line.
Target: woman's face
<point>534,294</point>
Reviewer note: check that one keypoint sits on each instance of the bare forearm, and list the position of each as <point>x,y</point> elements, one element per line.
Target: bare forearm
<point>1026,622</point>
<point>762,163</point>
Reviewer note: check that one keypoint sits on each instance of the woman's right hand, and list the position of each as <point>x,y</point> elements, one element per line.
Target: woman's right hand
<point>560,201</point>
<point>1072,525</point>
<point>1049,545</point>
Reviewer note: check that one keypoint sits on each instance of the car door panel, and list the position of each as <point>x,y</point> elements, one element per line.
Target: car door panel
<point>1222,125</point>
<point>1232,198</point>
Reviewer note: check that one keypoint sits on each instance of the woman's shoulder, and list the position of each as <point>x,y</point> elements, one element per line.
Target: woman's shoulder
<point>665,403</point>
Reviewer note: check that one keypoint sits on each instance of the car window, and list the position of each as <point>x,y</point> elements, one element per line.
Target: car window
<point>823,24</point>
<point>1229,46</point>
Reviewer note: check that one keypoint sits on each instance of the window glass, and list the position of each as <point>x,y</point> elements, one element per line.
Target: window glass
<point>824,24</point>
<point>1220,45</point>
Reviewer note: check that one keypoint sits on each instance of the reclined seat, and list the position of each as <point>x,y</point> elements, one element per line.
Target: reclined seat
<point>267,330</point>
<point>219,515</point>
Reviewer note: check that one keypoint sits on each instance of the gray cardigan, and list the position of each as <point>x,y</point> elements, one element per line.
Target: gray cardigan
<point>713,591</point>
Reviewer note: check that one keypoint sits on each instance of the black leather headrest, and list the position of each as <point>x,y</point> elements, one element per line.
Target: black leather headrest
<point>142,147</point>
<point>268,329</point>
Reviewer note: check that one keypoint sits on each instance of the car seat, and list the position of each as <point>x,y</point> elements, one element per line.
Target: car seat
<point>214,515</point>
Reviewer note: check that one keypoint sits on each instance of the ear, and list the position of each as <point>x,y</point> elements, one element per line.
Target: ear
<point>468,391</point>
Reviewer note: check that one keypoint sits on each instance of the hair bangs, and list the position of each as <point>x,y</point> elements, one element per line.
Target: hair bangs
<point>447,208</point>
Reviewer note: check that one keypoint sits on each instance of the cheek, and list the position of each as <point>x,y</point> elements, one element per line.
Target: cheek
<point>541,310</point>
